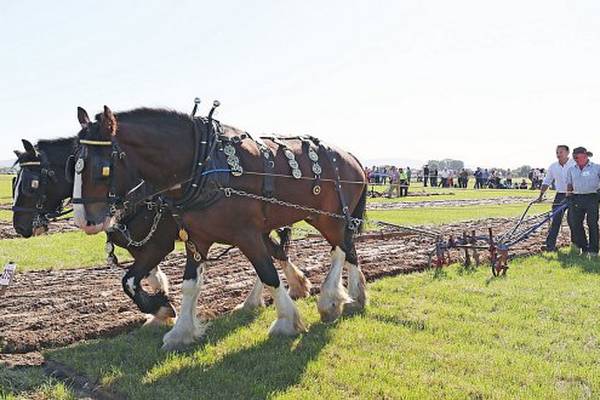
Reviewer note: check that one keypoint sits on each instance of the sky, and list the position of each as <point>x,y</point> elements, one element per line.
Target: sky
<point>491,83</point>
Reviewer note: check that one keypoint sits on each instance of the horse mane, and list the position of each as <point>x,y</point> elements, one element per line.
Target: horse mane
<point>146,113</point>
<point>57,150</point>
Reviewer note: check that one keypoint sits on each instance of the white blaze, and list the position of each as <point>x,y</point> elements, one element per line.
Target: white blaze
<point>17,185</point>
<point>78,209</point>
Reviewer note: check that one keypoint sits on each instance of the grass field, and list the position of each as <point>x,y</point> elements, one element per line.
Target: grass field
<point>5,215</point>
<point>451,335</point>
<point>462,194</point>
<point>62,250</point>
<point>5,189</point>
<point>31,383</point>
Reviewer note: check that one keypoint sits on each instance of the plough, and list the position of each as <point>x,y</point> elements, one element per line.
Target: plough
<point>472,244</point>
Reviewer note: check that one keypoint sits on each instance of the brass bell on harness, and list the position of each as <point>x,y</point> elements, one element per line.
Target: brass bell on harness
<point>183,235</point>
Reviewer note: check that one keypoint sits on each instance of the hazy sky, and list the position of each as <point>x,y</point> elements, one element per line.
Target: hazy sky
<point>492,83</point>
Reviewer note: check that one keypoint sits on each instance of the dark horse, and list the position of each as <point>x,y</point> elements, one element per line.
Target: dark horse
<point>164,146</point>
<point>44,182</point>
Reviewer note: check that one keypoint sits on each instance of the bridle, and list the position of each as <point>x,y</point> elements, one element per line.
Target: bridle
<point>104,171</point>
<point>37,187</point>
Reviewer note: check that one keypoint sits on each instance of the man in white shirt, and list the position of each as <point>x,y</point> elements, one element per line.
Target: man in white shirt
<point>557,174</point>
<point>444,174</point>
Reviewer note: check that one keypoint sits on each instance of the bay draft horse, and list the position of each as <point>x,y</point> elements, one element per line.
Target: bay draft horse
<point>45,181</point>
<point>161,146</point>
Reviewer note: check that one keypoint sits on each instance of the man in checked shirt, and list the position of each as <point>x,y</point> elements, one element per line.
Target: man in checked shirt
<point>583,182</point>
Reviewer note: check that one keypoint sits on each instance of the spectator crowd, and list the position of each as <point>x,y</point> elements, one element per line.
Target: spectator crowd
<point>399,179</point>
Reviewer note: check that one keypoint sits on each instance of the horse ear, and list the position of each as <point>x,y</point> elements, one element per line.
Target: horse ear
<point>28,147</point>
<point>18,153</point>
<point>109,122</point>
<point>82,116</point>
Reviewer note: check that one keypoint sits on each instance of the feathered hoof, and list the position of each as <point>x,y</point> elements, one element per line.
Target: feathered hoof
<point>165,316</point>
<point>248,307</point>
<point>354,307</point>
<point>177,339</point>
<point>299,292</point>
<point>357,304</point>
<point>287,327</point>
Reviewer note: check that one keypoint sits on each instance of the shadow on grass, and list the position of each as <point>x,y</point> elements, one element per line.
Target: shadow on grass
<point>439,274</point>
<point>568,260</point>
<point>256,372</point>
<point>415,325</point>
<point>136,368</point>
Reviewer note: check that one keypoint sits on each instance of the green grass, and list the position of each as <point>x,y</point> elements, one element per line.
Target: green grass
<point>462,194</point>
<point>63,250</point>
<point>452,335</point>
<point>5,189</point>
<point>28,383</point>
<point>442,215</point>
<point>6,215</point>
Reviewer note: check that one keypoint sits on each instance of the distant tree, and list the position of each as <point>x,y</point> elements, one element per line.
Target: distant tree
<point>522,171</point>
<point>446,163</point>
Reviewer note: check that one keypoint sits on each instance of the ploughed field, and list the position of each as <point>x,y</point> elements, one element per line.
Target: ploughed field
<point>45,309</point>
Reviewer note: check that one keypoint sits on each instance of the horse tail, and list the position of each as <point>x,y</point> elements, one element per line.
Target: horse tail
<point>361,208</point>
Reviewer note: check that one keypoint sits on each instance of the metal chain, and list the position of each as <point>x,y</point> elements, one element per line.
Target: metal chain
<point>122,228</point>
<point>354,223</point>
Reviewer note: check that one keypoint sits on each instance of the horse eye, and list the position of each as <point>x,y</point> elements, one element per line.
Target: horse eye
<point>35,184</point>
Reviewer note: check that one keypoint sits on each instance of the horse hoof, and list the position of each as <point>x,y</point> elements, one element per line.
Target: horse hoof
<point>177,339</point>
<point>172,346</point>
<point>165,316</point>
<point>248,307</point>
<point>354,307</point>
<point>298,293</point>
<point>154,321</point>
<point>286,327</point>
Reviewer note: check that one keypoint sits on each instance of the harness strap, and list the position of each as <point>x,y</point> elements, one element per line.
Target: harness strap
<point>268,188</point>
<point>350,222</point>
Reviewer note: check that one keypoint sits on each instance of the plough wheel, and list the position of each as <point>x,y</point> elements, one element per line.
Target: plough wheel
<point>498,269</point>
<point>499,263</point>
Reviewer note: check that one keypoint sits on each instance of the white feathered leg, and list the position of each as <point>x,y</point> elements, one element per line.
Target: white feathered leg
<point>299,285</point>
<point>188,328</point>
<point>333,294</point>
<point>254,299</point>
<point>158,280</point>
<point>356,287</point>
<point>288,318</point>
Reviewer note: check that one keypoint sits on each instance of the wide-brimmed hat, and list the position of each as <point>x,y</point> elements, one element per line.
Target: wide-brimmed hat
<point>582,150</point>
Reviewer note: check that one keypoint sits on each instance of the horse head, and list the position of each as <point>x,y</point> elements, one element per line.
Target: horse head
<point>96,188</point>
<point>39,188</point>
